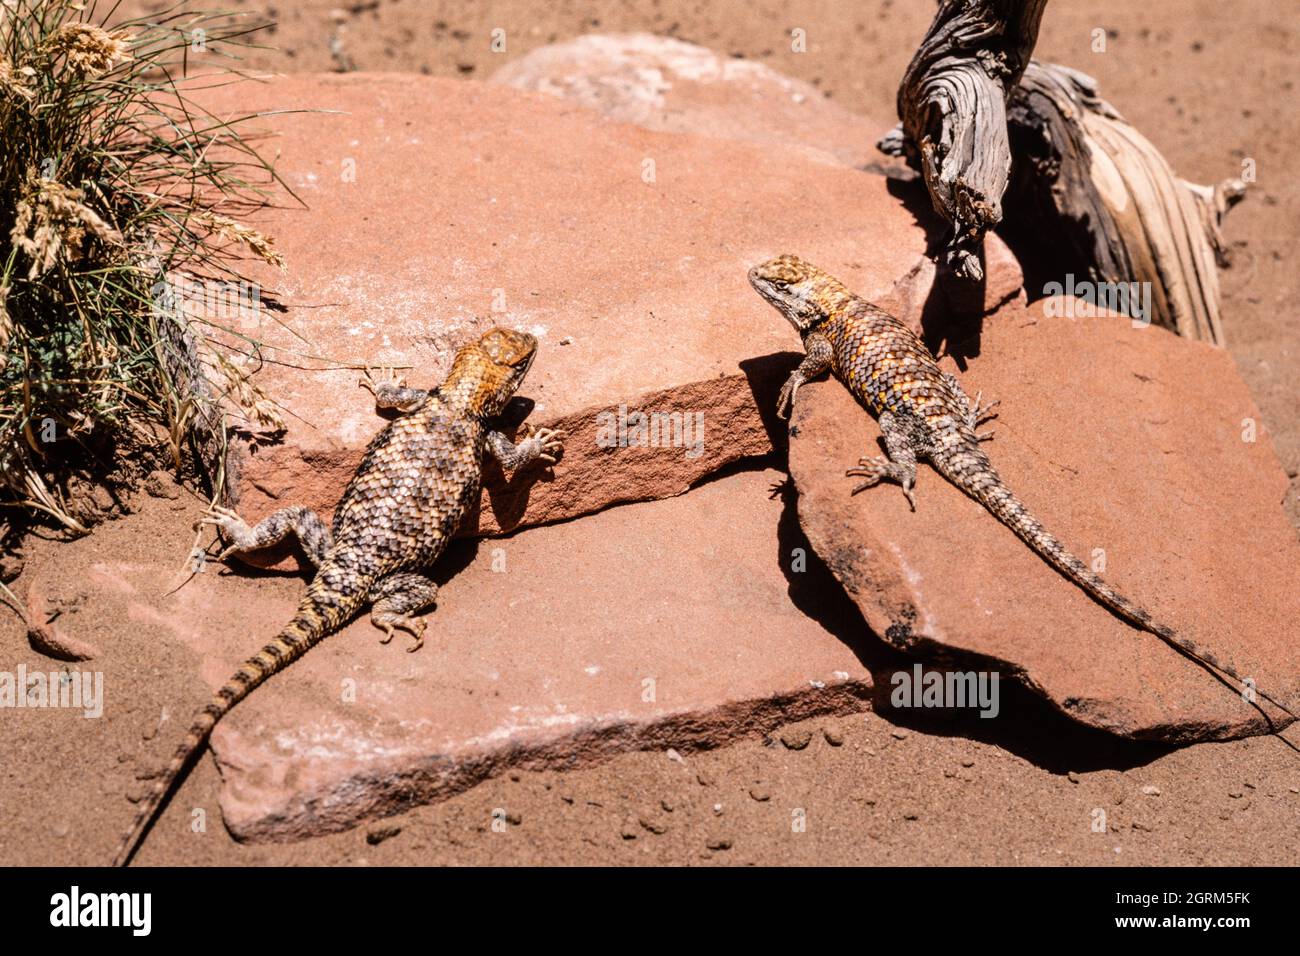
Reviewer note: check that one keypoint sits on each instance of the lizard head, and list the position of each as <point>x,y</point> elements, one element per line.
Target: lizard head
<point>800,291</point>
<point>495,366</point>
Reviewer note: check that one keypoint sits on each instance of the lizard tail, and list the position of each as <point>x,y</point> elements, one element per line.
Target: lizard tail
<point>314,620</point>
<point>1007,508</point>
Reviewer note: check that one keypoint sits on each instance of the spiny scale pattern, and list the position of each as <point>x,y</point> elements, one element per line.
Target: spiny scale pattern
<point>923,414</point>
<point>416,481</point>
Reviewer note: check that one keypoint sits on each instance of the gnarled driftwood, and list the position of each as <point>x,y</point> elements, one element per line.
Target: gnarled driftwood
<point>952,104</point>
<point>1109,206</point>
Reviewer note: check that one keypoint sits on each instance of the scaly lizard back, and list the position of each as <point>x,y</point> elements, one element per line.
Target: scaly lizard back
<point>924,414</point>
<point>417,479</point>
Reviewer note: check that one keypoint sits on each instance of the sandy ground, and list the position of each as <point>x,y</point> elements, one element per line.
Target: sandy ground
<point>1210,83</point>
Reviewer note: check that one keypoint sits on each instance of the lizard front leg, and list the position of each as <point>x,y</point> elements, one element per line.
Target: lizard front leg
<point>899,466</point>
<point>312,533</point>
<point>392,393</point>
<point>396,598</point>
<point>816,362</point>
<point>545,445</point>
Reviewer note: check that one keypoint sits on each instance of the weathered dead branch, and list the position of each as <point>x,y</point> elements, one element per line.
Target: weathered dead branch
<point>952,104</point>
<point>1108,203</point>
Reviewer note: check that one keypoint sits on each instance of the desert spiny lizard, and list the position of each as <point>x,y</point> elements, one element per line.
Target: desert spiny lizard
<point>923,414</point>
<point>418,478</point>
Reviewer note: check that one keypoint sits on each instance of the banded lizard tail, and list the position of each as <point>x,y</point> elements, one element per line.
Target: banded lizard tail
<point>418,477</point>
<point>923,414</point>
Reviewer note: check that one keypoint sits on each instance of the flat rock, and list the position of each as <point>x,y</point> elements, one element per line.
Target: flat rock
<point>666,84</point>
<point>438,208</point>
<point>675,623</point>
<point>1120,439</point>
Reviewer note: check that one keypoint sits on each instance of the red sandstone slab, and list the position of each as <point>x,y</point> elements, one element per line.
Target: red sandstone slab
<point>1121,439</point>
<point>657,625</point>
<point>666,84</point>
<point>440,207</point>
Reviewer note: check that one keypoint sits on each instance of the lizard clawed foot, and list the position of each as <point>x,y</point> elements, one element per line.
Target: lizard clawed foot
<point>413,626</point>
<point>549,443</point>
<point>389,377</point>
<point>982,413</point>
<point>785,401</point>
<point>876,470</point>
<point>230,524</point>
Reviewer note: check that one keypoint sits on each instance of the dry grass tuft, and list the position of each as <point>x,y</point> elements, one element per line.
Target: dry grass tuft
<point>114,183</point>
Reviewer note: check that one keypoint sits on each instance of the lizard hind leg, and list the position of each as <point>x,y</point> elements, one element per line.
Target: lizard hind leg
<point>976,412</point>
<point>979,414</point>
<point>899,466</point>
<point>396,598</point>
<point>303,523</point>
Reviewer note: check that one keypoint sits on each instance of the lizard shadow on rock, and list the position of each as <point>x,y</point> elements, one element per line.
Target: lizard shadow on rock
<point>952,317</point>
<point>766,374</point>
<point>508,497</point>
<point>459,555</point>
<point>816,593</point>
